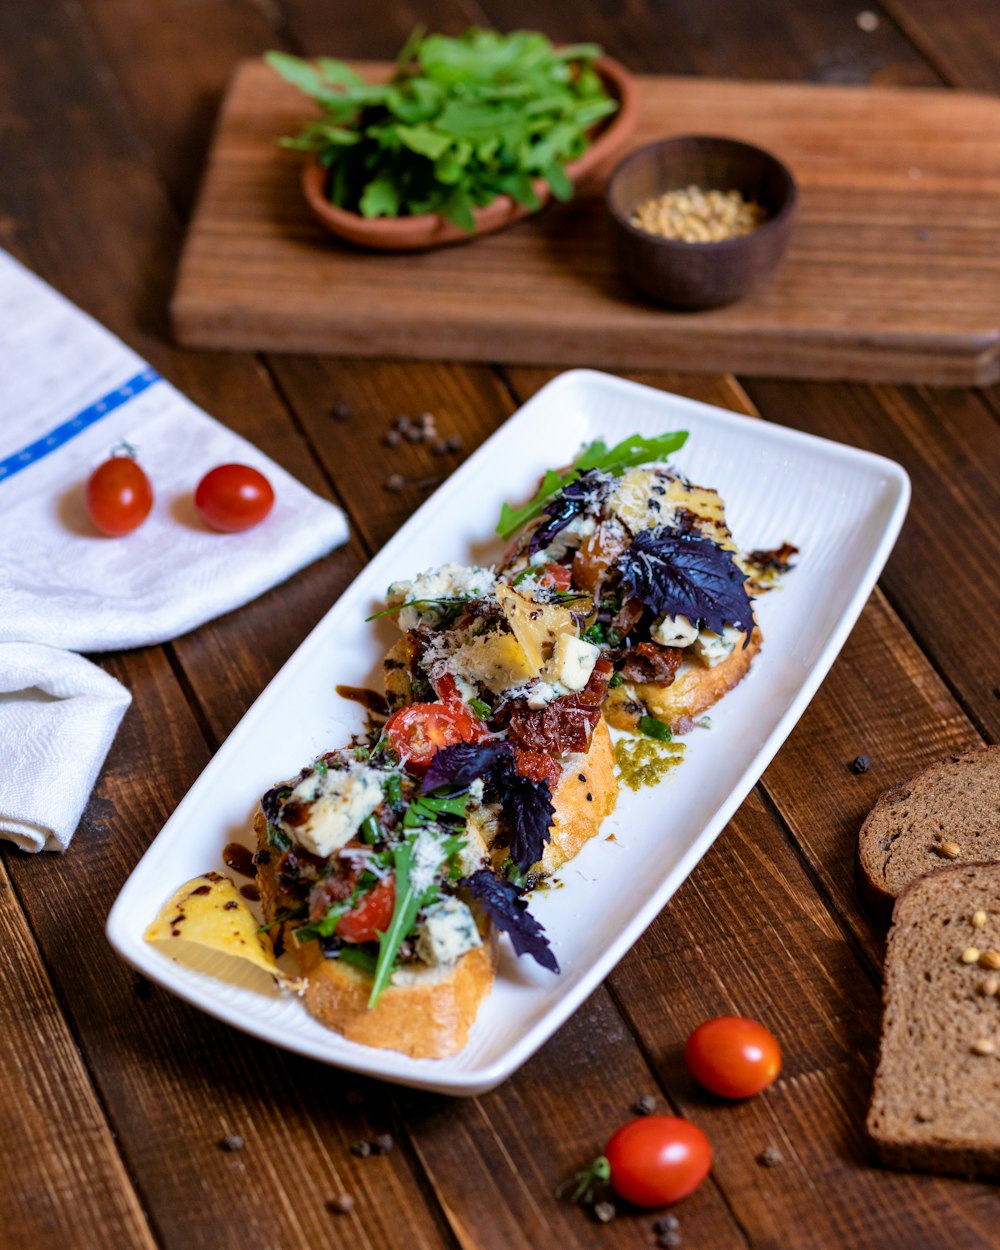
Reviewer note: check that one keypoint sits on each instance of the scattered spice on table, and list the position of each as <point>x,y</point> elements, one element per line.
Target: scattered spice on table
<point>231,1142</point>
<point>362,1149</point>
<point>860,764</point>
<point>340,412</point>
<point>668,1232</point>
<point>603,1212</point>
<point>693,215</point>
<point>770,1157</point>
<point>341,1205</point>
<point>645,1105</point>
<point>383,1144</point>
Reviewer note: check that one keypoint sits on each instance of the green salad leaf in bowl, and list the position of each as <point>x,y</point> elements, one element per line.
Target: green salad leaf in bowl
<point>462,121</point>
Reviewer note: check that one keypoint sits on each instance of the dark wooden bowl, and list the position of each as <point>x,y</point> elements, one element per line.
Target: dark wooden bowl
<point>410,234</point>
<point>700,275</point>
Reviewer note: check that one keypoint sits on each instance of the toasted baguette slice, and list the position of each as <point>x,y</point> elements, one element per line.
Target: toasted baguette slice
<point>956,801</point>
<point>936,1100</point>
<point>585,796</point>
<point>693,691</point>
<point>427,1011</point>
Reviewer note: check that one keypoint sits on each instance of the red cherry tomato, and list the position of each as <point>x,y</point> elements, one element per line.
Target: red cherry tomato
<point>233,497</point>
<point>371,916</point>
<point>557,577</point>
<point>658,1159</point>
<point>419,731</point>
<point>119,496</point>
<point>732,1056</point>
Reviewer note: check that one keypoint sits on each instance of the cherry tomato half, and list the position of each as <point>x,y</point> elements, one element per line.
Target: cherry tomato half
<point>119,496</point>
<point>419,731</point>
<point>732,1056</point>
<point>233,497</point>
<point>557,577</point>
<point>371,916</point>
<point>657,1159</point>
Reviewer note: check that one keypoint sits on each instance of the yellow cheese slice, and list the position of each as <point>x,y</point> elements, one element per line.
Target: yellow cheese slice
<point>536,626</point>
<point>209,912</point>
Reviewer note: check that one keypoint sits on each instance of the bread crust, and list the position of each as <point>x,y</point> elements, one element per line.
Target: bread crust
<point>876,895</point>
<point>585,796</point>
<point>693,691</point>
<point>429,1018</point>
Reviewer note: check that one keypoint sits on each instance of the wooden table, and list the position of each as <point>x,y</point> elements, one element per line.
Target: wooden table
<point>114,1096</point>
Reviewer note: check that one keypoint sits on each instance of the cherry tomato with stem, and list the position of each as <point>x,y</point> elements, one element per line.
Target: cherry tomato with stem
<point>118,494</point>
<point>733,1057</point>
<point>657,1159</point>
<point>372,914</point>
<point>233,497</point>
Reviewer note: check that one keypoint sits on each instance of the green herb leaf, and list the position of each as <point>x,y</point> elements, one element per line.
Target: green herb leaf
<point>481,709</point>
<point>359,958</point>
<point>380,198</point>
<point>654,728</point>
<point>627,454</point>
<point>408,903</point>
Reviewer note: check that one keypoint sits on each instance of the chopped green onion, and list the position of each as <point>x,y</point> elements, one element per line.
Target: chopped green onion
<point>481,709</point>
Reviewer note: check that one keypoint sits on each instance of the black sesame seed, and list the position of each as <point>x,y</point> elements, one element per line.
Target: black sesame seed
<point>590,797</point>
<point>860,764</point>
<point>582,776</point>
<point>231,1142</point>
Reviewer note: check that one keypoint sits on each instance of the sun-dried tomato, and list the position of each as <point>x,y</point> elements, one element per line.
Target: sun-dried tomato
<point>538,765</point>
<point>649,662</point>
<point>564,725</point>
<point>596,556</point>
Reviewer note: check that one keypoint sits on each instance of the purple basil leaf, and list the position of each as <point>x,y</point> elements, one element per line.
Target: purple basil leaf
<point>528,813</point>
<point>460,765</point>
<point>677,574</point>
<point>574,498</point>
<point>504,903</point>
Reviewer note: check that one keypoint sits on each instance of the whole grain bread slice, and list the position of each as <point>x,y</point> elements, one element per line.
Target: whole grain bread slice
<point>948,813</point>
<point>936,1100</point>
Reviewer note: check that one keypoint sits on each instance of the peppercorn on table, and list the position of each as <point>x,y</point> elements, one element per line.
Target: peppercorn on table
<point>131,1119</point>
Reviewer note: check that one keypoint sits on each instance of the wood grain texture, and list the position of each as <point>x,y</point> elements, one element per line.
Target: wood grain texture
<point>885,278</point>
<point>64,1181</point>
<point>961,42</point>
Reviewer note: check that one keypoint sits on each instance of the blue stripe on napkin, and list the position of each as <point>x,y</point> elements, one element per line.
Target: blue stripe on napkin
<point>76,424</point>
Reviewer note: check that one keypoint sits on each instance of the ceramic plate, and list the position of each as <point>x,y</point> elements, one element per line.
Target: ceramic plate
<point>841,507</point>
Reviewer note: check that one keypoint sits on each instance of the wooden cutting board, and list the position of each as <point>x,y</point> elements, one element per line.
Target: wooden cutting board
<point>893,273</point>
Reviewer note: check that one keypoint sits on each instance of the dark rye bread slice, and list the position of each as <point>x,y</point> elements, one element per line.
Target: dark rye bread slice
<point>936,1101</point>
<point>950,812</point>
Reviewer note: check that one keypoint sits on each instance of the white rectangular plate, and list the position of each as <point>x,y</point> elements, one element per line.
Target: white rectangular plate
<point>842,507</point>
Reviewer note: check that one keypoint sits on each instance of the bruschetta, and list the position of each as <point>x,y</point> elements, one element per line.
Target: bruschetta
<point>381,888</point>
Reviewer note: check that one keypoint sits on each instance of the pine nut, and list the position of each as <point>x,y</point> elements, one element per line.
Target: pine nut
<point>991,960</point>
<point>983,1046</point>
<point>989,987</point>
<point>979,919</point>
<point>696,216</point>
<point>971,955</point>
<point>950,850</point>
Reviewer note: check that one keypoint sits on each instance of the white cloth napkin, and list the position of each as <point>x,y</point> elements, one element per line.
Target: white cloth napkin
<point>70,392</point>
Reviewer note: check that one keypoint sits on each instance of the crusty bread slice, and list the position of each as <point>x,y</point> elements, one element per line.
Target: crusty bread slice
<point>427,1011</point>
<point>586,794</point>
<point>936,1100</point>
<point>693,691</point>
<point>948,812</point>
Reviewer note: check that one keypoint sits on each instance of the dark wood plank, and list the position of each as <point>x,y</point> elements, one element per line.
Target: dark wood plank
<point>64,1181</point>
<point>885,277</point>
<point>796,39</point>
<point>960,40</point>
<point>948,443</point>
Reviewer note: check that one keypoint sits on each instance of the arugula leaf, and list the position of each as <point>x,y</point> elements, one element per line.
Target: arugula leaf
<point>380,198</point>
<point>418,603</point>
<point>627,454</point>
<point>409,901</point>
<point>679,574</point>
<point>504,903</point>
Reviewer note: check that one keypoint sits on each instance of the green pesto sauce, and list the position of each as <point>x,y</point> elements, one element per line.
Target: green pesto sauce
<point>646,761</point>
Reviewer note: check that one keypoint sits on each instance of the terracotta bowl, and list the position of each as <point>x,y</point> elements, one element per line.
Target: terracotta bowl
<point>410,234</point>
<point>700,275</point>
